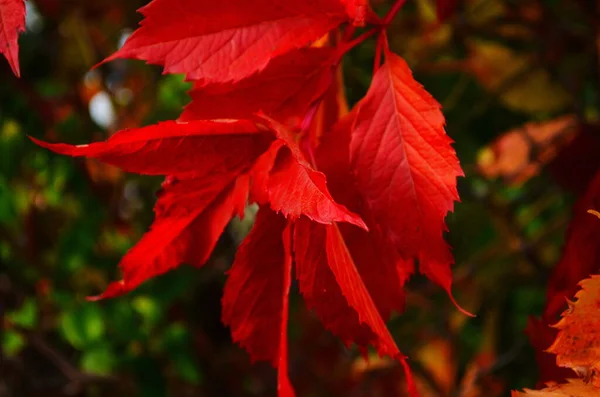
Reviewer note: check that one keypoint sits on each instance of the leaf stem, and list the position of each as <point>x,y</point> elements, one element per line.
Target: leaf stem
<point>393,11</point>
<point>345,47</point>
<point>378,51</point>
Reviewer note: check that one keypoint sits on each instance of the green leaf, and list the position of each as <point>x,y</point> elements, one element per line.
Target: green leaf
<point>148,308</point>
<point>12,343</point>
<point>26,316</point>
<point>187,368</point>
<point>98,360</point>
<point>83,326</point>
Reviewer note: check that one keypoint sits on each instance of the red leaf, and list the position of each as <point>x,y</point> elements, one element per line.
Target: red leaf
<point>295,188</point>
<point>255,299</point>
<point>357,11</point>
<point>331,284</point>
<point>183,149</point>
<point>12,22</point>
<point>332,108</point>
<point>190,217</point>
<point>383,271</point>
<point>260,173</point>
<point>320,289</point>
<point>405,167</point>
<point>226,40</point>
<point>283,90</point>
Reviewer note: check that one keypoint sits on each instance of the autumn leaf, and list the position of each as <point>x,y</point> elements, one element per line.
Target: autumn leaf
<point>199,147</point>
<point>295,188</point>
<point>366,247</point>
<point>575,388</point>
<point>520,153</point>
<point>333,107</point>
<point>12,22</point>
<point>226,40</point>
<point>352,201</point>
<point>207,184</point>
<point>405,168</point>
<point>255,298</point>
<point>190,217</point>
<point>288,86</point>
<point>577,345</point>
<point>331,284</point>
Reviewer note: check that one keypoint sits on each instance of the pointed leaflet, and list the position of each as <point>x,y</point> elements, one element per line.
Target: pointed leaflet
<point>330,282</point>
<point>283,90</point>
<point>383,271</point>
<point>12,22</point>
<point>295,188</point>
<point>319,287</point>
<point>255,299</point>
<point>405,167</point>
<point>577,345</point>
<point>190,216</point>
<point>182,149</point>
<point>226,40</point>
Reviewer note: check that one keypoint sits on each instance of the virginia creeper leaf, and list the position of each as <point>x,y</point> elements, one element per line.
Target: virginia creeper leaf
<point>218,41</point>
<point>296,188</point>
<point>320,289</point>
<point>405,167</point>
<point>283,90</point>
<point>255,299</point>
<point>190,216</point>
<point>382,269</point>
<point>12,22</point>
<point>172,148</point>
<point>331,284</point>
<point>577,345</point>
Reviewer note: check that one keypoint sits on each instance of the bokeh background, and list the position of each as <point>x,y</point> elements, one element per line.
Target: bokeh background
<point>518,81</point>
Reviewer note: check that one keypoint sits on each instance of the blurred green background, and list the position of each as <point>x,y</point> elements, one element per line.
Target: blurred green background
<point>65,223</point>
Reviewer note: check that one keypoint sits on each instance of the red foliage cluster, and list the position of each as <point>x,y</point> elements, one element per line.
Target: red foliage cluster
<point>351,208</point>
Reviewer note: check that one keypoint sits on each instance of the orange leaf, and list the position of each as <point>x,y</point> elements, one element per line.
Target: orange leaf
<point>577,345</point>
<point>575,388</point>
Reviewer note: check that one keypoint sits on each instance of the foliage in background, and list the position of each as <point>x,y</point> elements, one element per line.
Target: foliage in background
<point>494,66</point>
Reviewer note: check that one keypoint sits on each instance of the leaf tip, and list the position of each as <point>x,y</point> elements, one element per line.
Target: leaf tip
<point>594,212</point>
<point>458,307</point>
